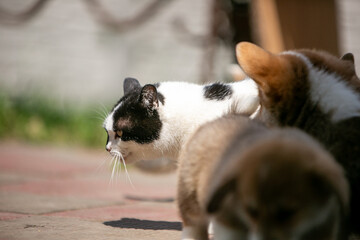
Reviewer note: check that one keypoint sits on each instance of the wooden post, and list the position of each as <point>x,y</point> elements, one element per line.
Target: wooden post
<point>289,24</point>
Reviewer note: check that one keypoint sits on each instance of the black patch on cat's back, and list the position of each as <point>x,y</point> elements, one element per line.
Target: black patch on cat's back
<point>217,91</point>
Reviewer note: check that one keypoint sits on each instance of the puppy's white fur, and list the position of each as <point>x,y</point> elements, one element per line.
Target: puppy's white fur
<point>332,94</point>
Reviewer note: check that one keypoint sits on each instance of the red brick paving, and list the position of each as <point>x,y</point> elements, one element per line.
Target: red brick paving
<point>41,185</point>
<point>155,212</point>
<point>10,216</point>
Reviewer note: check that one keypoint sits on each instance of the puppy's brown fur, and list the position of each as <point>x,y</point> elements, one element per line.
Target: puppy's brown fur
<point>259,183</point>
<point>317,93</point>
<point>196,162</point>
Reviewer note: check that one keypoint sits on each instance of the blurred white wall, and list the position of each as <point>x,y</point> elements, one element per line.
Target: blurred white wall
<point>349,28</point>
<point>67,54</point>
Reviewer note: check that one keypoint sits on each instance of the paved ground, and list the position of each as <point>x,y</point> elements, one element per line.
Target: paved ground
<point>50,193</point>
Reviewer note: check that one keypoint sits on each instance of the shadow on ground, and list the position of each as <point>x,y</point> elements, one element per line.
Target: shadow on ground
<point>144,224</point>
<point>149,199</point>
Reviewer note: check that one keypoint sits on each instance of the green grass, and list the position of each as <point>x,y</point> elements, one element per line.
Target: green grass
<point>40,120</point>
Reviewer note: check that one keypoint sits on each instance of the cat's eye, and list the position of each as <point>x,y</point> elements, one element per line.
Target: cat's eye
<point>119,133</point>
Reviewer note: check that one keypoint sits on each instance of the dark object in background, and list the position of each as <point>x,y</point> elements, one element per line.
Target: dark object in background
<point>288,24</point>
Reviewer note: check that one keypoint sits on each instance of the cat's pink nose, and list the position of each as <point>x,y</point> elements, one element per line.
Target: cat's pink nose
<point>108,148</point>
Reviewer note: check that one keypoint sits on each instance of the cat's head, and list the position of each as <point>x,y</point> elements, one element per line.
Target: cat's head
<point>299,192</point>
<point>134,124</point>
<point>291,81</point>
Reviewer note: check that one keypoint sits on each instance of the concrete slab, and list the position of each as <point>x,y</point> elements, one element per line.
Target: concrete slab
<point>47,161</point>
<point>10,178</point>
<point>135,209</point>
<point>92,187</point>
<point>37,204</point>
<point>51,193</point>
<point>11,216</point>
<point>59,228</point>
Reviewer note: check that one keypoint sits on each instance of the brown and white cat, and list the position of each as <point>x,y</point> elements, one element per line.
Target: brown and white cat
<point>316,92</point>
<point>255,183</point>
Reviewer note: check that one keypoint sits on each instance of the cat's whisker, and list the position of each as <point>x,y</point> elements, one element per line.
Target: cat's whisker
<point>111,161</point>
<point>119,156</point>
<point>100,118</point>
<point>118,169</point>
<point>104,109</point>
<point>126,172</point>
<point>102,163</point>
<point>117,165</point>
<point>114,163</point>
<point>101,115</point>
<point>111,165</point>
<point>101,112</point>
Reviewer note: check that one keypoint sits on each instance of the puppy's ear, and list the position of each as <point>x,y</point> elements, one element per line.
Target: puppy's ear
<point>218,192</point>
<point>130,84</point>
<point>269,71</point>
<point>348,57</point>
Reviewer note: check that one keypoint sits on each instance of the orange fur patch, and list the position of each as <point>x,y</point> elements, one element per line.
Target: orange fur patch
<point>276,75</point>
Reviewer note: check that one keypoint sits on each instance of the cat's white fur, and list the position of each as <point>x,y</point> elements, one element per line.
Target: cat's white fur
<point>331,92</point>
<point>185,109</point>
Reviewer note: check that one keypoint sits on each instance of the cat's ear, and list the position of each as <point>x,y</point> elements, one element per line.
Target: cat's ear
<point>130,84</point>
<point>149,97</point>
<point>265,68</point>
<point>218,192</point>
<point>348,57</point>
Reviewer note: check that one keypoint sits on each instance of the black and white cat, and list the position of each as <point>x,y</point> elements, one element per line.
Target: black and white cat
<point>316,92</point>
<point>153,121</point>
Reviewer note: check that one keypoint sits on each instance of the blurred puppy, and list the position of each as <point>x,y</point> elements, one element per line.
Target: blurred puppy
<point>317,93</point>
<point>259,184</point>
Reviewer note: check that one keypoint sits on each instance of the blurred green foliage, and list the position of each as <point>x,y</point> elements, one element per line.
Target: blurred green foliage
<point>37,119</point>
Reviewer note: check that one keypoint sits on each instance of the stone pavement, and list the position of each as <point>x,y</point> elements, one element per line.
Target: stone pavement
<point>52,193</point>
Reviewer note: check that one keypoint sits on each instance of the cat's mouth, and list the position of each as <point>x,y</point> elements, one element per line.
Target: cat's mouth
<point>119,154</point>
